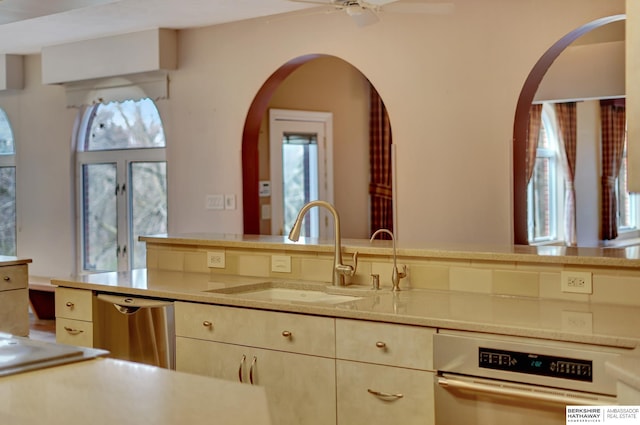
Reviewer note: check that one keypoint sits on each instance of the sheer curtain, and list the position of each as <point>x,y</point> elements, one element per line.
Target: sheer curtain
<point>613,121</point>
<point>533,134</point>
<point>566,117</point>
<point>380,188</point>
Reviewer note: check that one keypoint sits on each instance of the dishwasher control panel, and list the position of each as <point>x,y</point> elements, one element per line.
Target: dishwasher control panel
<point>535,364</point>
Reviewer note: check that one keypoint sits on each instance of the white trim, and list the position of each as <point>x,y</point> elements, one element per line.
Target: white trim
<point>320,123</point>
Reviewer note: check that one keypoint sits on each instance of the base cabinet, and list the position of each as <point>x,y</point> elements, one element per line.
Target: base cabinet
<point>74,317</point>
<point>290,355</point>
<point>14,300</point>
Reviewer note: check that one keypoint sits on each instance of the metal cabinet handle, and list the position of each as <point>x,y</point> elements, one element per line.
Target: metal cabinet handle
<point>381,344</point>
<point>7,278</point>
<point>72,331</point>
<point>253,363</point>
<point>244,357</point>
<point>70,304</point>
<point>207,324</point>
<point>286,334</point>
<point>385,395</point>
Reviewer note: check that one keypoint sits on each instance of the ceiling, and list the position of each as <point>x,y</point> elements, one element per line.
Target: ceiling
<point>28,25</point>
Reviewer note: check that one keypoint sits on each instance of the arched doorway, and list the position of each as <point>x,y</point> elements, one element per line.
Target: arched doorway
<point>521,122</point>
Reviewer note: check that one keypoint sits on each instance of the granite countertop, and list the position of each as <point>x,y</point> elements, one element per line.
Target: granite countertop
<point>569,321</point>
<point>108,391</point>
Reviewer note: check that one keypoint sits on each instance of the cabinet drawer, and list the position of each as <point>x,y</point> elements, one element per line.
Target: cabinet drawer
<point>384,343</point>
<point>296,333</point>
<point>74,304</point>
<point>74,332</point>
<point>13,277</point>
<point>357,405</point>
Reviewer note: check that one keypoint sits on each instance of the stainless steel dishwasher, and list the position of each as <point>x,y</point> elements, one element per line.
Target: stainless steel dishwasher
<point>136,329</point>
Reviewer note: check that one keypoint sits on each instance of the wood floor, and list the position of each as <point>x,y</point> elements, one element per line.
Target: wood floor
<point>42,330</point>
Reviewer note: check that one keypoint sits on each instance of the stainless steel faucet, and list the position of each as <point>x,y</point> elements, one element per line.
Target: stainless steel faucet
<point>339,270</point>
<point>395,275</point>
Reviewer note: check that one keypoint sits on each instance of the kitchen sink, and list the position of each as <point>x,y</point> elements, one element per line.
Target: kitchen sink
<point>287,292</point>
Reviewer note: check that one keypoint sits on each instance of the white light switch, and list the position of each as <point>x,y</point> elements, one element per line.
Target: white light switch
<point>230,202</point>
<point>214,202</point>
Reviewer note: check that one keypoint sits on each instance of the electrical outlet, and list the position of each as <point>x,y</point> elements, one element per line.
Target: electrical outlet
<point>216,259</point>
<point>577,321</point>
<point>281,263</point>
<point>576,282</point>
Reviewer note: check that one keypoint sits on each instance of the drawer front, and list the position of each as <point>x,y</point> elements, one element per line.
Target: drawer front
<point>295,333</point>
<point>14,312</point>
<point>384,343</point>
<point>13,277</point>
<point>373,394</point>
<point>74,332</point>
<point>74,304</point>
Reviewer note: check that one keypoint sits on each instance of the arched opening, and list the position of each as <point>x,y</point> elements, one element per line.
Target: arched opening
<point>312,85</point>
<point>521,122</point>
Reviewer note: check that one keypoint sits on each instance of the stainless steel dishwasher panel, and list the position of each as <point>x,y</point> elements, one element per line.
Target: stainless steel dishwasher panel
<point>136,329</point>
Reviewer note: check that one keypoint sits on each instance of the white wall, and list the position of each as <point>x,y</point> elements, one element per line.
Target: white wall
<point>450,84</point>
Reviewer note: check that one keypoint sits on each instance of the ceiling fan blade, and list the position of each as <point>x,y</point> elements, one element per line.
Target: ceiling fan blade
<point>420,8</point>
<point>319,2</point>
<point>376,3</point>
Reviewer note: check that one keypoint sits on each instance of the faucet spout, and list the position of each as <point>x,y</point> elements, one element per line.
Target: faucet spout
<point>339,270</point>
<point>395,274</point>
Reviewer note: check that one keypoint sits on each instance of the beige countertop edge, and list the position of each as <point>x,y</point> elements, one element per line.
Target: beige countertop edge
<point>331,311</point>
<point>13,261</point>
<point>128,394</point>
<point>619,257</point>
<point>626,369</point>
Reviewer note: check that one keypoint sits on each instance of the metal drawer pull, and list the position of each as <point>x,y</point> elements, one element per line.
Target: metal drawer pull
<point>72,331</point>
<point>207,324</point>
<point>69,304</point>
<point>253,363</point>
<point>7,278</point>
<point>244,357</point>
<point>286,334</point>
<point>385,395</point>
<point>381,344</point>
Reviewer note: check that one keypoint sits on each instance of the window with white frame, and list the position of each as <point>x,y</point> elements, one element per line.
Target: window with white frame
<point>627,202</point>
<point>121,184</point>
<point>546,188</point>
<point>7,188</point>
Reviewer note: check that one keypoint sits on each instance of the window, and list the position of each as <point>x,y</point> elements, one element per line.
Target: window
<point>7,188</point>
<point>627,202</point>
<point>546,188</point>
<point>122,184</point>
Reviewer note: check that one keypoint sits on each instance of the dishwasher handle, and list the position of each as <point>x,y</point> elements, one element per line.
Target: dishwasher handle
<point>523,392</point>
<point>129,305</point>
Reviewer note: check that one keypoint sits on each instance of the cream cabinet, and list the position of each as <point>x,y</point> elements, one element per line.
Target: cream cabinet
<point>14,299</point>
<point>384,373</point>
<point>291,355</point>
<point>74,317</point>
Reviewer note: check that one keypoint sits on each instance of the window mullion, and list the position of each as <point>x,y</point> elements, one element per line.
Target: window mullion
<point>123,214</point>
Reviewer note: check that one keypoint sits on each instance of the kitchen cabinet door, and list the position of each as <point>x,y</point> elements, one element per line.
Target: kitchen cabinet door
<point>301,389</point>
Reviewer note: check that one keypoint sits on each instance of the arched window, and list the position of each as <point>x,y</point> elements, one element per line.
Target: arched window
<point>546,188</point>
<point>121,184</point>
<point>7,188</point>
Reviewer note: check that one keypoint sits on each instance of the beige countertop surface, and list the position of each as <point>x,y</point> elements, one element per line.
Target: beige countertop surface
<point>589,323</point>
<point>13,261</point>
<point>107,391</point>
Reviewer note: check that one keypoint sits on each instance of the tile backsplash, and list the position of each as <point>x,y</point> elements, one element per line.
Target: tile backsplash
<point>611,285</point>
